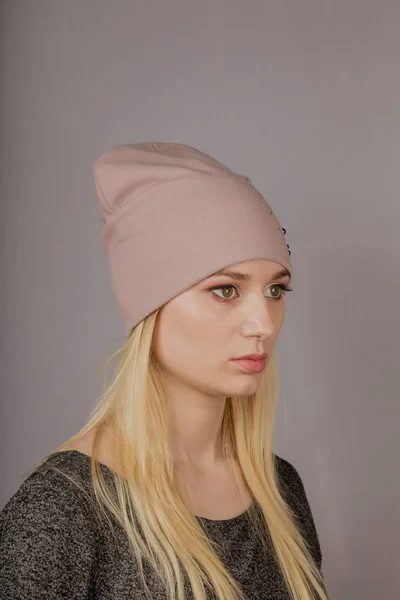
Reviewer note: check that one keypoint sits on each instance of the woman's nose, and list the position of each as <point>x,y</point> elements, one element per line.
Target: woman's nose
<point>261,322</point>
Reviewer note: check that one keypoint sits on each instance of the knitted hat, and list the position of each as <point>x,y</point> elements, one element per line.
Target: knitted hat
<point>172,217</point>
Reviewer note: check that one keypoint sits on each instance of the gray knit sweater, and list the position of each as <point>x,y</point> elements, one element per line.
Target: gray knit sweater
<point>53,546</point>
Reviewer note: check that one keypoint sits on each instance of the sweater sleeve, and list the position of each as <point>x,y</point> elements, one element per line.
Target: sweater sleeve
<point>47,541</point>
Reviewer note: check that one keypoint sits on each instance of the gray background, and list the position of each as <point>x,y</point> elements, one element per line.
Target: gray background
<point>303,97</point>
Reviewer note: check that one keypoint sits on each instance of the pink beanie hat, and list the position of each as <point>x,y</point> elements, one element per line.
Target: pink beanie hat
<point>173,216</point>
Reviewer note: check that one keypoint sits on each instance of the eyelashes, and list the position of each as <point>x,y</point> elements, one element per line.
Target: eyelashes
<point>281,286</point>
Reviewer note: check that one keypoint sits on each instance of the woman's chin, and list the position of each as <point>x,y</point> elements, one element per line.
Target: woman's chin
<point>249,385</point>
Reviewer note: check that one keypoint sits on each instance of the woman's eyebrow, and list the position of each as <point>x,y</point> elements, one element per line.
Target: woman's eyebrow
<point>246,276</point>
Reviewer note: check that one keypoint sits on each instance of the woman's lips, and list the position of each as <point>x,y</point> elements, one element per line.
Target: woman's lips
<point>250,365</point>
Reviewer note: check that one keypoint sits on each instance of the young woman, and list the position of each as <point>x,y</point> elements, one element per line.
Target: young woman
<point>171,490</point>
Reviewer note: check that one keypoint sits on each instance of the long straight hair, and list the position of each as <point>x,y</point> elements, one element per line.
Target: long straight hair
<point>150,503</point>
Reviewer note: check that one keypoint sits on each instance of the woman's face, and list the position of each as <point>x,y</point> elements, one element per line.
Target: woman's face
<point>201,330</point>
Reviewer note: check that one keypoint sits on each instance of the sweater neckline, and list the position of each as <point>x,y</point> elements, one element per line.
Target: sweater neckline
<point>107,469</point>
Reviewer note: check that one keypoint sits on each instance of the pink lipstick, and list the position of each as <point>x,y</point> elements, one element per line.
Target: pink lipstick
<point>252,363</point>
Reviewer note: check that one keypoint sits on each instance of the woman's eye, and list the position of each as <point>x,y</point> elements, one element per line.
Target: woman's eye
<point>224,287</point>
<point>279,288</point>
<point>282,289</point>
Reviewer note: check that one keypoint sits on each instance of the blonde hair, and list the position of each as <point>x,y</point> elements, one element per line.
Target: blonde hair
<point>148,489</point>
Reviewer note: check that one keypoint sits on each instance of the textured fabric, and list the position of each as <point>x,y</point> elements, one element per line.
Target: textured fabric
<point>173,216</point>
<point>53,546</point>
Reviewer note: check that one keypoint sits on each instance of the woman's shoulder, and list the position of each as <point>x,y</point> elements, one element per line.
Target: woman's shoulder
<point>48,530</point>
<point>293,491</point>
<point>290,483</point>
<point>61,474</point>
<point>287,473</point>
<point>53,492</point>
